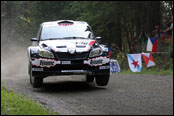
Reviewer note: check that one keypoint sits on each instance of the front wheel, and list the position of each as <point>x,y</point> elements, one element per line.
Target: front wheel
<point>89,78</point>
<point>36,82</point>
<point>102,80</point>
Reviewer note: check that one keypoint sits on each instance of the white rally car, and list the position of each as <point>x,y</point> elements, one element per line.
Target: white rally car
<point>67,47</point>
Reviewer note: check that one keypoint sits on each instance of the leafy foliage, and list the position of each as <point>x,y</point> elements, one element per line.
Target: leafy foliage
<point>117,22</point>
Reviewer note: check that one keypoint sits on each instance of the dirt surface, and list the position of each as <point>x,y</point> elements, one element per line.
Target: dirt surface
<point>125,94</point>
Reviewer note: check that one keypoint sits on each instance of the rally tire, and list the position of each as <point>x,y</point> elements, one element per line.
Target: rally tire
<point>102,80</point>
<point>89,78</point>
<point>36,82</point>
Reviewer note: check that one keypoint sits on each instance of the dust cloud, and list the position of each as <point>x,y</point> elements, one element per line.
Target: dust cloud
<point>14,60</point>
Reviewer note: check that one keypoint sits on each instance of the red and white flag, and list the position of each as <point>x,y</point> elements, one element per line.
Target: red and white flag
<point>148,59</point>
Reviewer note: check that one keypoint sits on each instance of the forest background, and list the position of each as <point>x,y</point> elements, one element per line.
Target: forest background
<point>119,23</point>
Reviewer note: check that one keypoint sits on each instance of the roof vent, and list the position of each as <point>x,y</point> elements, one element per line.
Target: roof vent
<point>65,22</point>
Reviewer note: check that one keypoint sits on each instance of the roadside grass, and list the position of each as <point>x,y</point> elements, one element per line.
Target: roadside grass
<point>15,104</point>
<point>159,72</point>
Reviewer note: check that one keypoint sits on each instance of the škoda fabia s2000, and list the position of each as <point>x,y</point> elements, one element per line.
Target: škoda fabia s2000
<point>67,47</point>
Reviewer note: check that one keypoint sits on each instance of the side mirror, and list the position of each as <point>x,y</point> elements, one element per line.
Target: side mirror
<point>98,38</point>
<point>34,39</point>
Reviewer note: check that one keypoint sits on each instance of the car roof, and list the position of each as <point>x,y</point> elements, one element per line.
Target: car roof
<point>52,23</point>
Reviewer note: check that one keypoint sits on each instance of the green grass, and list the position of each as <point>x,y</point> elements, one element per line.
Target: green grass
<point>15,104</point>
<point>160,72</point>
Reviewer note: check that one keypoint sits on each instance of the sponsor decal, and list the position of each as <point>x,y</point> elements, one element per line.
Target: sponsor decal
<point>91,43</point>
<point>66,62</point>
<point>37,69</point>
<point>81,43</point>
<point>104,67</point>
<point>97,61</point>
<point>42,62</point>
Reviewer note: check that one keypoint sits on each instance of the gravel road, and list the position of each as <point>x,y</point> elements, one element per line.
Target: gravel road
<point>125,94</point>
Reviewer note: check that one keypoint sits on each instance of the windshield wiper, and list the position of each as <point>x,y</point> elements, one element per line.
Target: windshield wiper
<point>63,38</point>
<point>74,38</point>
<point>50,39</point>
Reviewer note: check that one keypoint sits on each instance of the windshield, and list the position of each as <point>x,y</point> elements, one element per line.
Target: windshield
<point>65,32</point>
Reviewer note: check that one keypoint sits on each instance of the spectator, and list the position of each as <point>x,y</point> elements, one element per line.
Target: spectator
<point>156,31</point>
<point>169,34</point>
<point>169,30</point>
<point>109,49</point>
<point>164,32</point>
<point>143,39</point>
<point>115,47</point>
<point>99,41</point>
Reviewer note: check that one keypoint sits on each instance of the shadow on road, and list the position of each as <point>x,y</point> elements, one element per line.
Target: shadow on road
<point>68,86</point>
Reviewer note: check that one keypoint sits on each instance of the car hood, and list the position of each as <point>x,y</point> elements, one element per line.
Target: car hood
<point>78,45</point>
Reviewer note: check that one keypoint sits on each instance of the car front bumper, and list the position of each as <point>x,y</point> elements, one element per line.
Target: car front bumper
<point>42,67</point>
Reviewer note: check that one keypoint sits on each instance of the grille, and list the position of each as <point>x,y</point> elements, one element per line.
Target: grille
<point>68,56</point>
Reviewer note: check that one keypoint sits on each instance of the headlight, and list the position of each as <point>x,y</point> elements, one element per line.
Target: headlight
<point>95,52</point>
<point>45,53</point>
